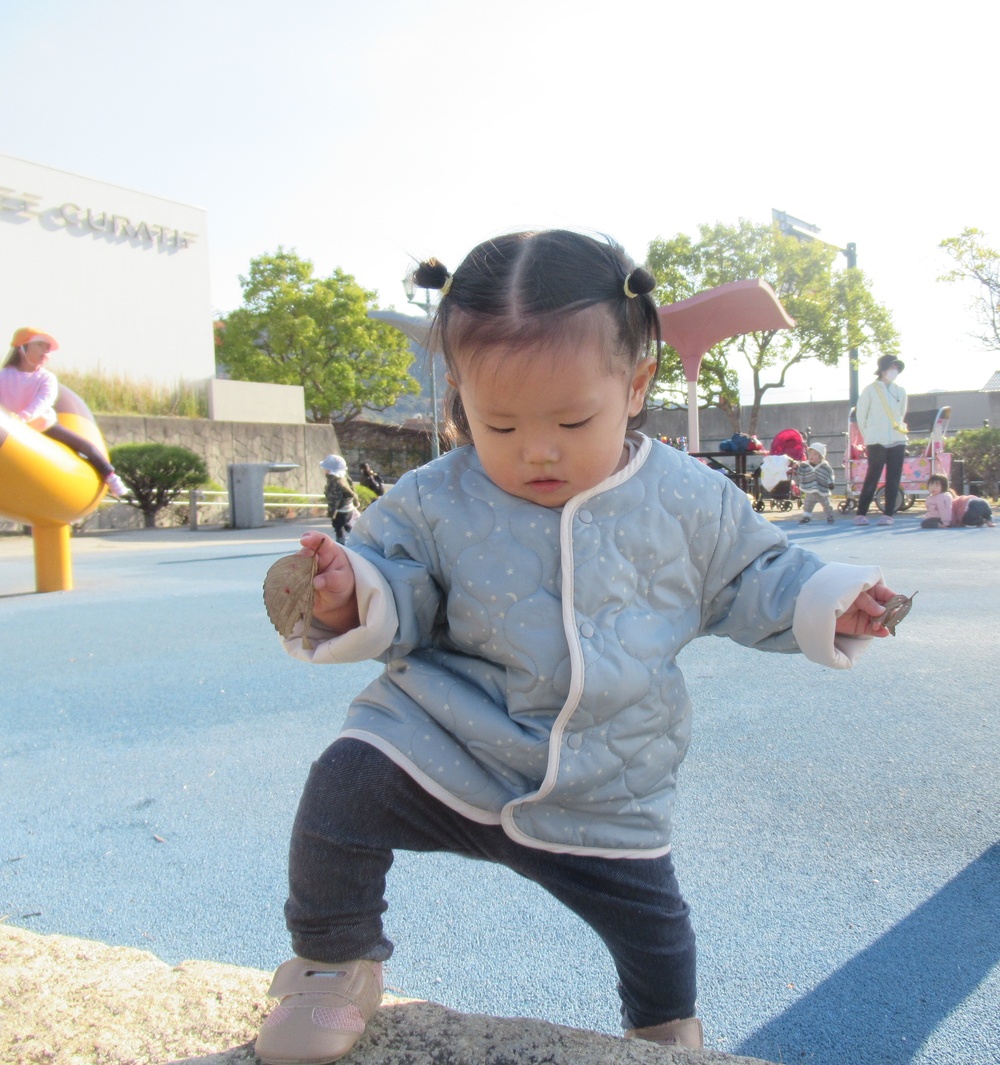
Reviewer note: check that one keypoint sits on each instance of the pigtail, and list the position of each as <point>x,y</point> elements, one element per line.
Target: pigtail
<point>640,320</point>
<point>432,274</point>
<point>640,282</point>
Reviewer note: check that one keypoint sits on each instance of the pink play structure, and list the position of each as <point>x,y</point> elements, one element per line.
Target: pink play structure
<point>693,326</point>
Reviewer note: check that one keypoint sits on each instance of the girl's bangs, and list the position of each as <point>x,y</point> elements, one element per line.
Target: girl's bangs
<point>553,334</point>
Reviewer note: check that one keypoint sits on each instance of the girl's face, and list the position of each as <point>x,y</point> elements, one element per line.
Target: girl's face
<point>548,428</point>
<point>814,457</point>
<point>35,354</point>
<point>934,488</point>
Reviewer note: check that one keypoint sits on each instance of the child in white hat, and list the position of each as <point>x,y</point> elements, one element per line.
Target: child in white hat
<point>815,478</point>
<point>342,503</point>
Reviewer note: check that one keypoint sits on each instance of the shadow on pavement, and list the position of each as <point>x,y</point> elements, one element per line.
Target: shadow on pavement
<point>886,1001</point>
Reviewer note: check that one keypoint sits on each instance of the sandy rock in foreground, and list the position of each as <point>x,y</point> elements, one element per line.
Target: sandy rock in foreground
<point>66,1001</point>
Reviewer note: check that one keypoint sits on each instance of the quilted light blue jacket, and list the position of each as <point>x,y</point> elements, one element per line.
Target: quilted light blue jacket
<point>530,652</point>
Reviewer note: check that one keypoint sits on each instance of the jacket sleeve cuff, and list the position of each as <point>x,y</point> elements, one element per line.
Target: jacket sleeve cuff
<point>823,598</point>
<point>377,611</point>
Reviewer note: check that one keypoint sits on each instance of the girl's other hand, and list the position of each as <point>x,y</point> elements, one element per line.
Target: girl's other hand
<point>861,617</point>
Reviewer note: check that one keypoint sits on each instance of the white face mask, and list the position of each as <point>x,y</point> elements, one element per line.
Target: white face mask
<point>891,375</point>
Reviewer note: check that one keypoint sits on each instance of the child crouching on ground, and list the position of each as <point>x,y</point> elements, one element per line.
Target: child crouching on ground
<point>945,508</point>
<point>529,593</point>
<point>815,477</point>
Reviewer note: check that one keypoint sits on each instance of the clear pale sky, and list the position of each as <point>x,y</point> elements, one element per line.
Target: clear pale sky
<point>361,134</point>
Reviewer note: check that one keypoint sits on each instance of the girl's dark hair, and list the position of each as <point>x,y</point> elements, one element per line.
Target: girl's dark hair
<point>529,291</point>
<point>938,478</point>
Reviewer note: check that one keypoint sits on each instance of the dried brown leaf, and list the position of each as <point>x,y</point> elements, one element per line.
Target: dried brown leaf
<point>289,594</point>
<point>895,610</point>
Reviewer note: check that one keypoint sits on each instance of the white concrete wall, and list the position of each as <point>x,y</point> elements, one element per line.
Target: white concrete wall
<point>250,401</point>
<point>120,278</point>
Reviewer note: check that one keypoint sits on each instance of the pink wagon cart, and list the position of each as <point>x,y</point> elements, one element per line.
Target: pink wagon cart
<point>917,467</point>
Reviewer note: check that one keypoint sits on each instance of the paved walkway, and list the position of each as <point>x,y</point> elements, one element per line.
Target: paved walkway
<point>837,832</point>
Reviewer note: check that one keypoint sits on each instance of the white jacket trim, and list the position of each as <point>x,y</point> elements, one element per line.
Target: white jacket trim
<point>570,511</point>
<point>429,784</point>
<point>822,599</point>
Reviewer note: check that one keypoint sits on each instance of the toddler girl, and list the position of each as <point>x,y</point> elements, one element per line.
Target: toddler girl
<point>529,593</point>
<point>816,481</point>
<point>946,508</point>
<point>938,502</point>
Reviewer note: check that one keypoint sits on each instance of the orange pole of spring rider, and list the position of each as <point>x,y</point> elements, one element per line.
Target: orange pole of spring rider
<point>53,561</point>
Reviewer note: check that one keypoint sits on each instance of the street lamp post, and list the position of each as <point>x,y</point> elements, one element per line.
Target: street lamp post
<point>851,251</point>
<point>425,305</point>
<point>795,227</point>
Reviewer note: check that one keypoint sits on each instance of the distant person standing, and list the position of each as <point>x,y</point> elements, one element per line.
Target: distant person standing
<point>881,414</point>
<point>372,480</point>
<point>815,477</point>
<point>342,503</point>
<point>28,391</point>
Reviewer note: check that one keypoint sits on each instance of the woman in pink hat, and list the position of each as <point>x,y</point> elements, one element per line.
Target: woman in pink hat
<point>28,391</point>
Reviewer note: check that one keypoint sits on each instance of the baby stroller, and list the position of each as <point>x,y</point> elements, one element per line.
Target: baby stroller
<point>773,481</point>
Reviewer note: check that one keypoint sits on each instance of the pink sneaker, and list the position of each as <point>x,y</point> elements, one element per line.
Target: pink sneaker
<point>861,520</point>
<point>322,1012</point>
<point>116,486</point>
<point>683,1033</point>
<point>884,520</point>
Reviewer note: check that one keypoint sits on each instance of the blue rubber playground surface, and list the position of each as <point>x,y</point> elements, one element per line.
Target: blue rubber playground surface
<point>838,834</point>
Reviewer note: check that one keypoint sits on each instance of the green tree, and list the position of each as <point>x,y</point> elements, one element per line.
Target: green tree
<point>834,310</point>
<point>298,329</point>
<point>156,475</point>
<point>975,261</point>
<point>979,450</point>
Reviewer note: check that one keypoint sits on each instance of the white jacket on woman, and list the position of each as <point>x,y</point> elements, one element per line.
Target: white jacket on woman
<point>881,414</point>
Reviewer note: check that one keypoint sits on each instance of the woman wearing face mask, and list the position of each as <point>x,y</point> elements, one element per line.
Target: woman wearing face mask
<point>881,412</point>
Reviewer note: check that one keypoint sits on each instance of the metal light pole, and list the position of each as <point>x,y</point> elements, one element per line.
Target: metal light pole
<point>425,305</point>
<point>851,251</point>
<point>795,227</point>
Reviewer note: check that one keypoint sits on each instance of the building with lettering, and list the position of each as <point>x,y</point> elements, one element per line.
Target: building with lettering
<point>120,278</point>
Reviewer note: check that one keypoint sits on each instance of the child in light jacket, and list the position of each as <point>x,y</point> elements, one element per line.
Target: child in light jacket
<point>815,477</point>
<point>528,594</point>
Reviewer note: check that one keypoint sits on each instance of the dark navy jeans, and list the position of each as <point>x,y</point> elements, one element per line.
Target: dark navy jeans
<point>82,446</point>
<point>358,807</point>
<point>880,458</point>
